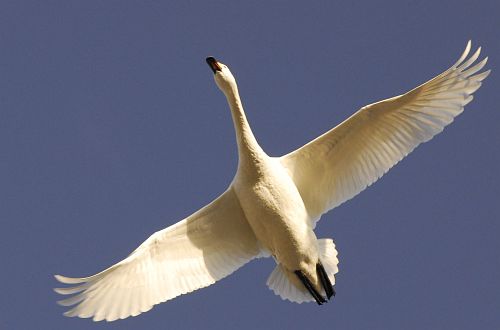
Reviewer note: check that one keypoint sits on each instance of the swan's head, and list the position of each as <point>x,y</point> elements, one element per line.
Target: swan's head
<point>222,76</point>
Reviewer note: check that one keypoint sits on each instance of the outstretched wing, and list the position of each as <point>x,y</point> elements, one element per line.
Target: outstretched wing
<point>341,163</point>
<point>194,253</point>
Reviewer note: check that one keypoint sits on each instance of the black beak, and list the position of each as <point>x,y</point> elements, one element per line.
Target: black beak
<point>213,64</point>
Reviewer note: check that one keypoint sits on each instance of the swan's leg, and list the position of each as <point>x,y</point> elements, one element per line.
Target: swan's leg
<point>325,281</point>
<point>319,298</point>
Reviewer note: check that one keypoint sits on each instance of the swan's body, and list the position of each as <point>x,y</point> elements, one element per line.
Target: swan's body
<point>277,215</point>
<point>272,204</point>
<point>268,196</point>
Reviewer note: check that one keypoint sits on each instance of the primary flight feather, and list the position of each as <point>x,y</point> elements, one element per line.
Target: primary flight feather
<point>272,204</point>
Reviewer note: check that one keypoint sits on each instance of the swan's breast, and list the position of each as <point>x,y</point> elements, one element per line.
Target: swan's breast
<point>276,213</point>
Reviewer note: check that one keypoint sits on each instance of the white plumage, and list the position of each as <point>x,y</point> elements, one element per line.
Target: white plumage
<point>341,163</point>
<point>272,205</point>
<point>192,254</point>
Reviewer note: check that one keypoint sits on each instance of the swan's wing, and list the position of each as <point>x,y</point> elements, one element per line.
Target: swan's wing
<point>342,162</point>
<point>191,254</point>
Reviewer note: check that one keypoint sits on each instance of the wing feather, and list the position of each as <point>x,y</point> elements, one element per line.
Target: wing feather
<point>191,254</point>
<point>341,163</point>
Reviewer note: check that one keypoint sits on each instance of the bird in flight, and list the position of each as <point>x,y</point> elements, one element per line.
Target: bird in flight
<point>273,203</point>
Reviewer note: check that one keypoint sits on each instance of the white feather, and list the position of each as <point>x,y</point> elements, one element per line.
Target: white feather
<point>194,253</point>
<point>341,163</point>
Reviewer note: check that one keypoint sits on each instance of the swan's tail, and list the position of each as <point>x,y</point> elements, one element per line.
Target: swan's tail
<point>292,286</point>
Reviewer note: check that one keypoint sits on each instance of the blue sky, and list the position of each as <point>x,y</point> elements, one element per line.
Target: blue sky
<point>112,128</point>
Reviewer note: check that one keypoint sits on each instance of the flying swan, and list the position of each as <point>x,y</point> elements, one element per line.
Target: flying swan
<point>273,203</point>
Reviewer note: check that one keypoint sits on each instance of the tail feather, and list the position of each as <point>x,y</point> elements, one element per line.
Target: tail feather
<point>328,256</point>
<point>285,283</point>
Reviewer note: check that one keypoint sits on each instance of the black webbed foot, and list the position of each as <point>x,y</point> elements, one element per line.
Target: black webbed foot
<point>325,281</point>
<point>318,297</point>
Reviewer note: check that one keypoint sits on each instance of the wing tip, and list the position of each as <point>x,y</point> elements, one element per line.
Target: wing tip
<point>465,53</point>
<point>485,74</point>
<point>62,291</point>
<point>69,280</point>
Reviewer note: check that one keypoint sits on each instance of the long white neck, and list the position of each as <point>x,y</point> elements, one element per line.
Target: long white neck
<point>249,150</point>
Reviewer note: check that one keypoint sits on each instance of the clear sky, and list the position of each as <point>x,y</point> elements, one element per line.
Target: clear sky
<point>112,128</point>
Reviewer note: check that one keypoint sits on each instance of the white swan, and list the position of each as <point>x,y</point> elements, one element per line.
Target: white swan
<point>272,204</point>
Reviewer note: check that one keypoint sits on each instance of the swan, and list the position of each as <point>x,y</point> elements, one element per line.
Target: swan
<point>273,203</point>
